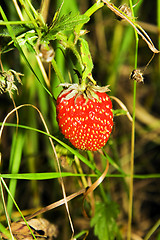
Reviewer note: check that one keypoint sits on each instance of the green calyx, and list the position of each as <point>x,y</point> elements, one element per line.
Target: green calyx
<point>87,90</point>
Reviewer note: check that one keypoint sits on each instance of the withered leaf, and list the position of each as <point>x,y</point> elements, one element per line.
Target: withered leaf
<point>42,229</point>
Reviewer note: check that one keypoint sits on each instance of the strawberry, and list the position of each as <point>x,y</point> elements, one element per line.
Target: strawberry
<point>85,116</point>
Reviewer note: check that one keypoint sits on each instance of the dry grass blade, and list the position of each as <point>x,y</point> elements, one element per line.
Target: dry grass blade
<point>95,185</point>
<point>18,10</point>
<point>57,204</point>
<point>137,28</point>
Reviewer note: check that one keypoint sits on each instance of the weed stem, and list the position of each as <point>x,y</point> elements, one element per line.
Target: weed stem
<point>130,207</point>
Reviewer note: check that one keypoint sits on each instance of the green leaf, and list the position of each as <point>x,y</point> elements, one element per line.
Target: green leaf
<point>18,29</point>
<point>15,161</point>
<point>42,176</point>
<point>104,221</point>
<point>5,232</point>
<point>65,23</point>
<point>86,58</point>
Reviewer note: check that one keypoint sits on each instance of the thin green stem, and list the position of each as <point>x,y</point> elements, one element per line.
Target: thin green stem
<point>152,230</point>
<point>7,189</point>
<point>36,14</point>
<point>130,207</point>
<point>94,8</point>
<point>80,170</point>
<point>89,12</point>
<point>15,22</point>
<point>32,8</point>
<point>6,213</point>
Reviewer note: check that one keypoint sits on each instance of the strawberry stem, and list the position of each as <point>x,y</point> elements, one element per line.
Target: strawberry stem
<point>83,84</point>
<point>68,44</point>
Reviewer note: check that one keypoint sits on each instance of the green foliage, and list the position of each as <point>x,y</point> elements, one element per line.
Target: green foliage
<point>65,23</point>
<point>104,221</point>
<point>28,39</point>
<point>15,161</point>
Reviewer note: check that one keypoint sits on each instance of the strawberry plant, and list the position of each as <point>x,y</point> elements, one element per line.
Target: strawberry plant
<point>70,74</point>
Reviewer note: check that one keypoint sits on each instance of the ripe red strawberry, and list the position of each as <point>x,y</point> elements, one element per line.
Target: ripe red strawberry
<point>85,119</point>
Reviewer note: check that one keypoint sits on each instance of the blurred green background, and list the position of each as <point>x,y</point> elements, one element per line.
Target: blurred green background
<point>112,45</point>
